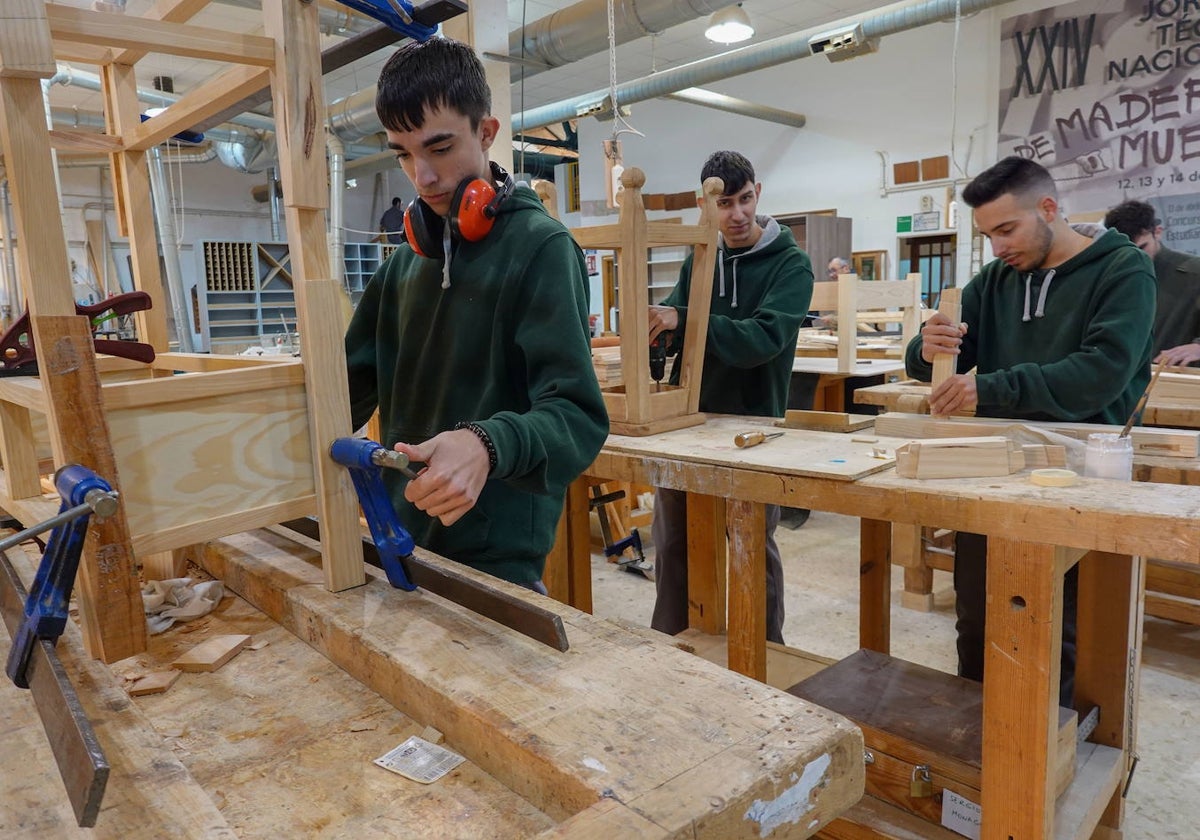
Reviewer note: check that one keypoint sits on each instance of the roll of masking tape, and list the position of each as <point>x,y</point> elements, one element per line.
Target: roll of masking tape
<point>1054,478</point>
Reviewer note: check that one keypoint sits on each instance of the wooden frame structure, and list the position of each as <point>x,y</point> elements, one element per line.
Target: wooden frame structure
<point>189,439</point>
<point>636,407</point>
<point>858,301</point>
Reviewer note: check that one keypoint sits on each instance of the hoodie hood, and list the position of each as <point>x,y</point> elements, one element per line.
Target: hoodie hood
<point>770,237</point>
<point>1102,244</point>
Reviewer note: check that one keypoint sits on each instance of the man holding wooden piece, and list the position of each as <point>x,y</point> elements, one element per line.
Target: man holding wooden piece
<point>1057,327</point>
<point>762,291</point>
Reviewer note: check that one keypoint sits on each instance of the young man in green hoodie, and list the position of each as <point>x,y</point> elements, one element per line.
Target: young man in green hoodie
<point>761,293</point>
<point>472,339</point>
<point>1057,327</point>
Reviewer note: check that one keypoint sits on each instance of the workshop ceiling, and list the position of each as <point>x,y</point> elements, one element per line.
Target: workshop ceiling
<point>671,48</point>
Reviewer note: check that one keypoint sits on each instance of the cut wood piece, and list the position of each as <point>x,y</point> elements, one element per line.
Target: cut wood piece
<point>826,421</point>
<point>1044,455</point>
<point>155,683</point>
<point>945,365</point>
<point>1171,443</point>
<point>963,457</point>
<point>915,717</point>
<point>212,654</point>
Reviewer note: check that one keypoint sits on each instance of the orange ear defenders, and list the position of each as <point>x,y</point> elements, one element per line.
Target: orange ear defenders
<point>473,210</point>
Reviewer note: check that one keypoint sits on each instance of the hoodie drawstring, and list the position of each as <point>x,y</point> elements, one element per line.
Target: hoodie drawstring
<point>446,252</point>
<point>721,257</point>
<point>1040,311</point>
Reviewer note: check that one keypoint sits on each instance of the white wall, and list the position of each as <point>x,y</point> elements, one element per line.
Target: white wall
<point>899,100</point>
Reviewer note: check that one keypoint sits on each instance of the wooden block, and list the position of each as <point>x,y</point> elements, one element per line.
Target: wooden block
<point>432,735</point>
<point>963,457</point>
<point>908,172</point>
<point>155,683</point>
<point>935,168</point>
<point>212,654</point>
<point>826,421</point>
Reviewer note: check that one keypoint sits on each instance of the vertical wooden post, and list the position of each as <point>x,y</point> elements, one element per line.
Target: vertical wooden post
<point>1020,687</point>
<point>111,611</point>
<point>633,299</point>
<point>568,574</point>
<point>706,559</point>
<point>748,588</point>
<point>704,265</point>
<point>847,322</point>
<point>131,186</point>
<point>945,365</point>
<point>909,552</point>
<point>875,585</point>
<point>297,90</point>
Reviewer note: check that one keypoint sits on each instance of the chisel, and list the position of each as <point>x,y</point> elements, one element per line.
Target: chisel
<point>746,439</point>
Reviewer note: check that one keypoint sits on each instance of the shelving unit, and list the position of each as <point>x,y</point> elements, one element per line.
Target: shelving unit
<point>248,295</point>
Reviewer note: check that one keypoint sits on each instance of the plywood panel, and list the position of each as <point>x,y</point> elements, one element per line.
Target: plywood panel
<point>194,460</point>
<point>798,452</point>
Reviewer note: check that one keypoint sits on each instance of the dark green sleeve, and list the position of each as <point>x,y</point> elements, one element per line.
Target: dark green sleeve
<point>545,448</point>
<point>771,328</point>
<point>678,298</point>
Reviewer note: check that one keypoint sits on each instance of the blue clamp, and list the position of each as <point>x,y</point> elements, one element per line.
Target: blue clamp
<point>82,492</point>
<point>363,457</point>
<point>394,14</point>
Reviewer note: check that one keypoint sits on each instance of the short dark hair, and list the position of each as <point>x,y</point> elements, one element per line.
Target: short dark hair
<point>1132,218</point>
<point>1016,175</point>
<point>732,168</point>
<point>396,201</point>
<point>440,73</point>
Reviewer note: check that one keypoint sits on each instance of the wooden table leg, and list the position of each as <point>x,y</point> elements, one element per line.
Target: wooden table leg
<point>908,551</point>
<point>568,574</point>
<point>706,560</point>
<point>1020,688</point>
<point>1108,666</point>
<point>875,585</point>
<point>747,589</point>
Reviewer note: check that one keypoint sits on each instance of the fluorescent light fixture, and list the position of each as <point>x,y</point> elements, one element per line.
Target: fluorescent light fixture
<point>730,25</point>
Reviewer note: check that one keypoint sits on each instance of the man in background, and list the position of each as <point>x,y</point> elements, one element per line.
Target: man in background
<point>1177,313</point>
<point>837,265</point>
<point>391,223</point>
<point>761,290</point>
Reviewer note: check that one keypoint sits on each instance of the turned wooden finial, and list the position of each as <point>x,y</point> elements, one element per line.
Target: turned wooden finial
<point>714,186</point>
<point>633,178</point>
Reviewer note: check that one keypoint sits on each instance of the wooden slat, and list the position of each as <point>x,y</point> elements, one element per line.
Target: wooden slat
<point>196,105</point>
<point>69,23</point>
<point>827,421</point>
<point>704,266</point>
<point>25,48</point>
<point>185,387</point>
<point>87,142</point>
<point>19,446</point>
<point>77,53</point>
<point>169,538</point>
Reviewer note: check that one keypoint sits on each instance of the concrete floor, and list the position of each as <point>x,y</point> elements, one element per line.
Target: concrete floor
<point>821,573</point>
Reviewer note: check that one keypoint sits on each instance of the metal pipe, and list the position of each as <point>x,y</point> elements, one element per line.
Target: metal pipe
<point>733,105</point>
<point>898,17</point>
<point>170,250</point>
<point>332,20</point>
<point>12,286</point>
<point>273,186</point>
<point>581,30</point>
<point>337,206</point>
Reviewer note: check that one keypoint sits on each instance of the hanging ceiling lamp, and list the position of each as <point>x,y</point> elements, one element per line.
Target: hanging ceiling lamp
<point>730,25</point>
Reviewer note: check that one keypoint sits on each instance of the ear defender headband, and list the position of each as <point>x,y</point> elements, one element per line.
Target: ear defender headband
<point>473,210</point>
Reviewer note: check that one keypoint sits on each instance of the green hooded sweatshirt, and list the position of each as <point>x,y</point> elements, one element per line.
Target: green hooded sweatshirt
<point>1178,318</point>
<point>760,297</point>
<point>504,345</point>
<point>1080,353</point>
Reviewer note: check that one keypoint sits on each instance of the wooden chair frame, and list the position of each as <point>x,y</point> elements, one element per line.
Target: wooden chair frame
<point>859,301</point>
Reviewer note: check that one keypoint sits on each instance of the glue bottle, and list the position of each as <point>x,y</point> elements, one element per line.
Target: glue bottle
<point>1109,455</point>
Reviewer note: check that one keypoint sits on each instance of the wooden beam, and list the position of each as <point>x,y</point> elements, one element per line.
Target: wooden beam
<point>131,186</point>
<point>748,587</point>
<point>88,142</point>
<point>173,11</point>
<point>82,53</point>
<point>68,23</point>
<point>706,560</point>
<point>875,585</point>
<point>945,365</point>
<point>297,90</point>
<point>194,106</point>
<point>25,46</point>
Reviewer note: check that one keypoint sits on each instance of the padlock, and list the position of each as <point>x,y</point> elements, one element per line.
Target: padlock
<point>921,784</point>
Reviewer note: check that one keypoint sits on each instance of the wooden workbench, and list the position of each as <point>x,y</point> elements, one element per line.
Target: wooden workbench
<point>1105,522</point>
<point>622,735</point>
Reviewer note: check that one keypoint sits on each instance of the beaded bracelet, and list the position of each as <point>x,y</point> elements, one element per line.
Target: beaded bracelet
<point>484,438</point>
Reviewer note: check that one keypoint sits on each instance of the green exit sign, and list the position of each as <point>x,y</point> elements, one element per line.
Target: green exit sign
<point>904,224</point>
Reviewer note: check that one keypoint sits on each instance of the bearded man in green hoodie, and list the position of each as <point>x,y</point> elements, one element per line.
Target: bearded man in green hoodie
<point>472,338</point>
<point>1057,327</point>
<point>761,293</point>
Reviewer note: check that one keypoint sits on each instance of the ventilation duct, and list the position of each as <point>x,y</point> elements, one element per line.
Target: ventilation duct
<point>249,152</point>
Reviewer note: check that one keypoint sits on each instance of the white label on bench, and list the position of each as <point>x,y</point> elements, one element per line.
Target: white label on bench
<point>960,815</point>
